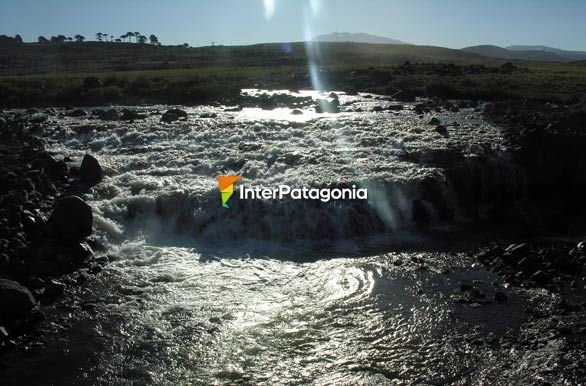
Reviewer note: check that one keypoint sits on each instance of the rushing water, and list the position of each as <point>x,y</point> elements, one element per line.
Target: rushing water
<point>289,292</point>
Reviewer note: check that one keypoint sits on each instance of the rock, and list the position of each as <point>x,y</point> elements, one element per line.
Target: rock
<point>440,129</point>
<point>377,109</point>
<point>500,297</point>
<point>208,115</point>
<point>73,218</point>
<point>539,277</point>
<point>92,82</point>
<point>466,287</point>
<point>434,121</point>
<point>325,106</point>
<point>109,115</point>
<point>54,288</point>
<point>16,301</point>
<point>90,170</point>
<point>131,115</point>
<point>173,115</point>
<point>38,118</point>
<point>296,112</point>
<point>77,113</point>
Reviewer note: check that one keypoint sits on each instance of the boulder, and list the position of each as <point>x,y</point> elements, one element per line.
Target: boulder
<point>131,115</point>
<point>72,218</point>
<point>90,170</point>
<point>16,301</point>
<point>296,112</point>
<point>173,115</point>
<point>109,115</point>
<point>77,113</point>
<point>442,130</point>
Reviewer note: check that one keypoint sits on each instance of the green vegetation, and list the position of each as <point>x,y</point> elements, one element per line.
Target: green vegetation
<point>93,73</point>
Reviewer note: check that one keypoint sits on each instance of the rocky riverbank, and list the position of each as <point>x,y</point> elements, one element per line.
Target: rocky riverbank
<point>45,227</point>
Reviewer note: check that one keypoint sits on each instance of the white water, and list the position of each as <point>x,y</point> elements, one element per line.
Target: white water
<point>274,292</point>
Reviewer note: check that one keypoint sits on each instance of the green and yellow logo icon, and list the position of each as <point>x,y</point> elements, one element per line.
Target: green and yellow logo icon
<point>226,184</point>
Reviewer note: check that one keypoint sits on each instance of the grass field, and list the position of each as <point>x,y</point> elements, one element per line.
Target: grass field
<point>46,75</point>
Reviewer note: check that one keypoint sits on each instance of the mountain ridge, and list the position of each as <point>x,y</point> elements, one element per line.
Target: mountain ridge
<point>346,37</point>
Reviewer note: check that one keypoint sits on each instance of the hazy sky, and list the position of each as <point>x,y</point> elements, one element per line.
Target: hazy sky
<point>448,23</point>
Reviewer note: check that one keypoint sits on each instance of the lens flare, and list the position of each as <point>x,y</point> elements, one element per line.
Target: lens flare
<point>269,8</point>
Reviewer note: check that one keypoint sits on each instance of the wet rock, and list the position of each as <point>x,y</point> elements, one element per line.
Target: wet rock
<point>540,277</point>
<point>76,113</point>
<point>442,130</point>
<point>38,118</point>
<point>90,170</point>
<point>173,115</point>
<point>434,121</point>
<point>73,218</point>
<point>54,288</point>
<point>466,287</point>
<point>296,112</point>
<point>131,115</point>
<point>500,297</point>
<point>325,106</point>
<point>109,115</point>
<point>208,115</point>
<point>16,301</point>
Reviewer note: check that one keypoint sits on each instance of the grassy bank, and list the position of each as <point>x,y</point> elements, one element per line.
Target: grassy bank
<point>218,73</point>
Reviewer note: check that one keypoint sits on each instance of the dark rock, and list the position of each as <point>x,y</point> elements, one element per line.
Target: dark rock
<point>38,118</point>
<point>173,115</point>
<point>540,277</point>
<point>500,297</point>
<point>208,115</point>
<point>92,82</point>
<point>296,112</point>
<point>90,170</point>
<point>466,287</point>
<point>77,113</point>
<point>73,218</point>
<point>131,115</point>
<point>325,106</point>
<point>54,288</point>
<point>442,130</point>
<point>109,115</point>
<point>434,121</point>
<point>16,301</point>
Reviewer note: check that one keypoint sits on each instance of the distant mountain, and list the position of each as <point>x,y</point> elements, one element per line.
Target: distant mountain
<point>345,37</point>
<point>503,53</point>
<point>569,55</point>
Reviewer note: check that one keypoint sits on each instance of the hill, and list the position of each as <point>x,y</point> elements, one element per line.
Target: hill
<point>345,37</point>
<point>33,58</point>
<point>503,53</point>
<point>568,55</point>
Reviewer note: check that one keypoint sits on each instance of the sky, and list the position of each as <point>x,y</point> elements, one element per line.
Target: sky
<point>446,23</point>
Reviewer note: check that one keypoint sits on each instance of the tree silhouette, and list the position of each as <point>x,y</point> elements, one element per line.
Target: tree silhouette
<point>99,36</point>
<point>43,40</point>
<point>129,35</point>
<point>154,39</point>
<point>18,38</point>
<point>58,39</point>
<point>136,35</point>
<point>142,39</point>
<point>118,40</point>
<point>70,38</point>
<point>79,38</point>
